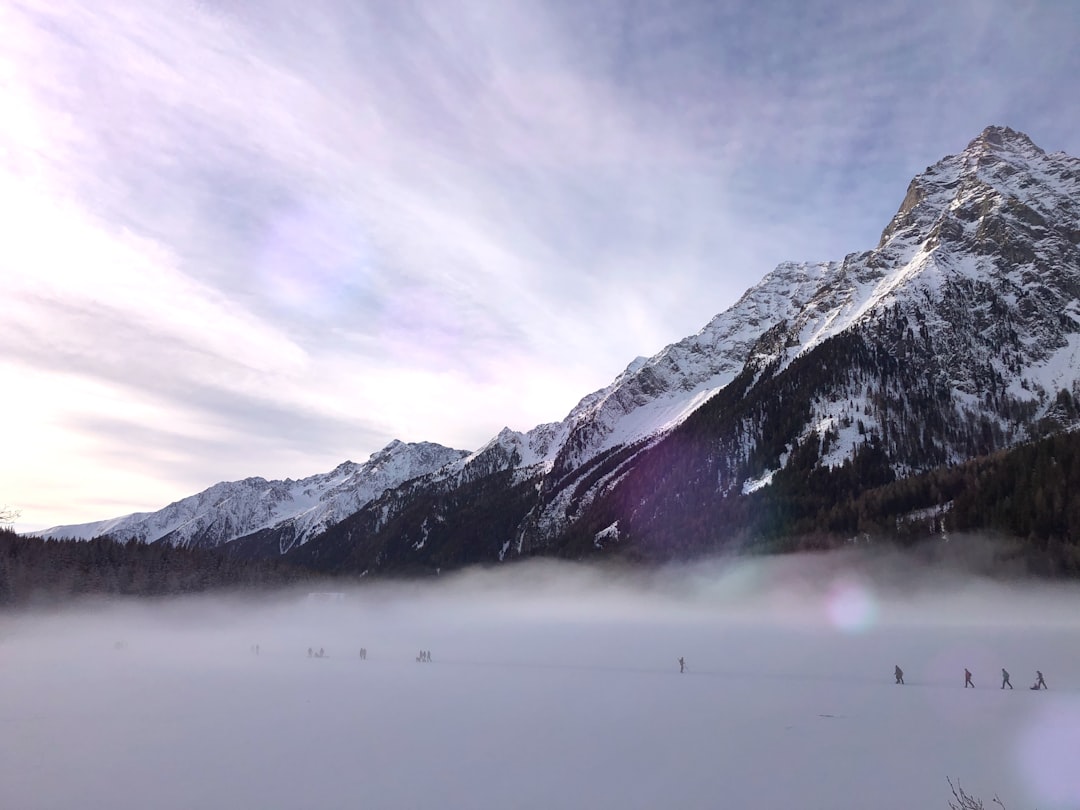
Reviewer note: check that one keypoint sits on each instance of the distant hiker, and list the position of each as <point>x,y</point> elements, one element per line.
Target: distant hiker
<point>1039,682</point>
<point>309,653</point>
<point>321,652</point>
<point>682,664</point>
<point>427,656</point>
<point>256,649</point>
<point>967,679</point>
<point>1005,678</point>
<point>899,674</point>
<point>363,653</point>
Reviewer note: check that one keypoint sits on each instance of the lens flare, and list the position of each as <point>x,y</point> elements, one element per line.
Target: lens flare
<point>851,607</point>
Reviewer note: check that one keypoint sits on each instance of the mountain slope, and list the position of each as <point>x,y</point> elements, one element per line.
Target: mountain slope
<point>297,510</point>
<point>954,337</point>
<point>957,335</point>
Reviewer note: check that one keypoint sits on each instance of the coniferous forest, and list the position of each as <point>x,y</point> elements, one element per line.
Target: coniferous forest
<point>1025,494</point>
<point>41,572</point>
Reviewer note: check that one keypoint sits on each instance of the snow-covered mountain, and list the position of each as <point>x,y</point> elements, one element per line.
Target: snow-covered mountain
<point>953,337</point>
<point>981,260</point>
<point>298,509</point>
<point>957,335</point>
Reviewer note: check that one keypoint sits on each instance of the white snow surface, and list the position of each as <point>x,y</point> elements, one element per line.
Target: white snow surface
<point>607,535</point>
<point>552,686</point>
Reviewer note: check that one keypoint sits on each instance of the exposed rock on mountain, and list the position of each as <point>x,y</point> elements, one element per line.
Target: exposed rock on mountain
<point>296,510</point>
<point>956,336</point>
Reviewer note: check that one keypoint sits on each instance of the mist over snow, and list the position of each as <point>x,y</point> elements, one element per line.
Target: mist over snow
<point>554,685</point>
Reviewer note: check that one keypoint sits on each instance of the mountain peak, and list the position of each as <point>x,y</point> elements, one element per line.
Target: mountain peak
<point>999,161</point>
<point>999,138</point>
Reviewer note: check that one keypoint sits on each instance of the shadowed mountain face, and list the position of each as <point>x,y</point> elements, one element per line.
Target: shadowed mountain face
<point>957,336</point>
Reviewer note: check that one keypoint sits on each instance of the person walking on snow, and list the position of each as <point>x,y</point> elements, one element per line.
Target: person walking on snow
<point>967,679</point>
<point>1039,682</point>
<point>682,664</point>
<point>899,674</point>
<point>1005,678</point>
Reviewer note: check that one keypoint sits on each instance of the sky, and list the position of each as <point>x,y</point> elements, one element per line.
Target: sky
<point>554,685</point>
<point>243,239</point>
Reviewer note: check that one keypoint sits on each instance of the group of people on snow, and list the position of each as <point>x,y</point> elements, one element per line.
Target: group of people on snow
<point>1040,682</point>
<point>425,656</point>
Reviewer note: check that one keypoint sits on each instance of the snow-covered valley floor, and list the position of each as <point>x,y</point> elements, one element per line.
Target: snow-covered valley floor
<point>552,687</point>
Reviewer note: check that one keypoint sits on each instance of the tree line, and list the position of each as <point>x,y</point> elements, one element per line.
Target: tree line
<point>37,571</point>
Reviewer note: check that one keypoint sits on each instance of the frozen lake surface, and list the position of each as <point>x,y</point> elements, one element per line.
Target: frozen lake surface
<point>551,687</point>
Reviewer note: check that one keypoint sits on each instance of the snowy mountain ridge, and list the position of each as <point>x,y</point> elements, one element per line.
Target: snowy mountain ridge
<point>969,305</point>
<point>229,510</point>
<point>982,258</point>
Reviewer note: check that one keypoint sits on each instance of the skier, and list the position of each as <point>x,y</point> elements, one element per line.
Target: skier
<point>682,664</point>
<point>1039,682</point>
<point>899,674</point>
<point>1005,678</point>
<point>967,678</point>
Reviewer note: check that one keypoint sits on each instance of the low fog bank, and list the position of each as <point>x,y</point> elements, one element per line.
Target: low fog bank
<point>848,591</point>
<point>554,684</point>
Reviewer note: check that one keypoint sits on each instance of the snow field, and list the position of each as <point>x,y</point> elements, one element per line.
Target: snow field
<point>545,695</point>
